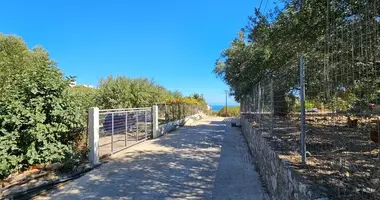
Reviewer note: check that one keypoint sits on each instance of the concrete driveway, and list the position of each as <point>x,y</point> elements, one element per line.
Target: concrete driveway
<point>207,160</point>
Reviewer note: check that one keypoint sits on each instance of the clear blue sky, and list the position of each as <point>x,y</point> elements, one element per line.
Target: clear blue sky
<point>175,42</point>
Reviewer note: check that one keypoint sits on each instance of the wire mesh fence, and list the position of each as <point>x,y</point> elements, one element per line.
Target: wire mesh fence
<point>340,148</point>
<point>337,136</point>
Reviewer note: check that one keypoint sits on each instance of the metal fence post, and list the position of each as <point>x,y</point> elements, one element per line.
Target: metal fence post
<point>271,105</point>
<point>146,125</point>
<point>155,121</point>
<point>302,98</point>
<point>252,105</point>
<point>259,105</point>
<point>166,114</point>
<point>242,105</point>
<point>179,112</point>
<point>93,125</point>
<point>183,111</point>
<point>173,112</point>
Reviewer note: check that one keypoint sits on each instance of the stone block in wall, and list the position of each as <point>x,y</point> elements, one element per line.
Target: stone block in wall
<point>281,180</point>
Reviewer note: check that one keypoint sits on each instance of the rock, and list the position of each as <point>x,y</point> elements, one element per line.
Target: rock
<point>56,166</point>
<point>290,188</point>
<point>290,177</point>
<point>302,188</point>
<point>265,134</point>
<point>274,183</point>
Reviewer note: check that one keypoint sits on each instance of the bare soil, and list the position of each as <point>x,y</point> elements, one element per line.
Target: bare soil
<point>342,161</point>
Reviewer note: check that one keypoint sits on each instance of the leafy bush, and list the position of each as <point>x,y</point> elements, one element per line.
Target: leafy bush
<point>339,104</point>
<point>231,111</point>
<point>124,92</point>
<point>308,105</point>
<point>84,97</point>
<point>38,118</point>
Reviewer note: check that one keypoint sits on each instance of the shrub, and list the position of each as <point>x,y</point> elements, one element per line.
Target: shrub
<point>124,92</point>
<point>84,97</point>
<point>308,105</point>
<point>231,111</point>
<point>39,120</point>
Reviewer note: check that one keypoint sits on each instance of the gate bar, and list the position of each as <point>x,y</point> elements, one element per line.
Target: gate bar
<point>126,129</point>
<point>146,127</point>
<point>112,133</point>
<point>137,127</point>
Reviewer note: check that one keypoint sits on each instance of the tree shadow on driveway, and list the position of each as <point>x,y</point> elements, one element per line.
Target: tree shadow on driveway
<point>181,165</point>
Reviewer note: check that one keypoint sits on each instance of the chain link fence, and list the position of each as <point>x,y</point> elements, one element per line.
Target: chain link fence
<point>332,136</point>
<point>322,113</point>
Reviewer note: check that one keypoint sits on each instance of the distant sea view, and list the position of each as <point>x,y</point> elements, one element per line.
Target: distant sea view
<point>216,107</point>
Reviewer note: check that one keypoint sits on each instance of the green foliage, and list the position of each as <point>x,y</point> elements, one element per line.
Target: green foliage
<point>84,97</point>
<point>38,118</point>
<point>308,105</point>
<point>232,111</point>
<point>272,43</point>
<point>123,92</point>
<point>339,104</point>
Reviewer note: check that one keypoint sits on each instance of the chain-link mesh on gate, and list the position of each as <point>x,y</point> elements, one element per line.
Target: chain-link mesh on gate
<point>122,128</point>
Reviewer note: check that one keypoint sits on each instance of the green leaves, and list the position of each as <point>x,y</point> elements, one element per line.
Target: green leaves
<point>230,112</point>
<point>38,118</point>
<point>336,35</point>
<point>124,92</point>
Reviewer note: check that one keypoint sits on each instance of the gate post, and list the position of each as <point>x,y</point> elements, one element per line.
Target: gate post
<point>302,99</point>
<point>155,121</point>
<point>93,131</point>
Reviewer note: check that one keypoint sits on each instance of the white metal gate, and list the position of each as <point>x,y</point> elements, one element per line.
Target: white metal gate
<point>122,128</point>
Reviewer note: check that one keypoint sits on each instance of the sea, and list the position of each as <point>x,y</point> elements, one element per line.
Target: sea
<point>216,107</point>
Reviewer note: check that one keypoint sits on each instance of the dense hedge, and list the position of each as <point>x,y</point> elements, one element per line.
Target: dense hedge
<point>39,120</point>
<point>84,97</point>
<point>124,92</point>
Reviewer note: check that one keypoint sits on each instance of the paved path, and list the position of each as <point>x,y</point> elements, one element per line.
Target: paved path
<point>207,160</point>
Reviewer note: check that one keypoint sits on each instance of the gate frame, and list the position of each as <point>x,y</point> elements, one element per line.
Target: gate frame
<point>93,119</point>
